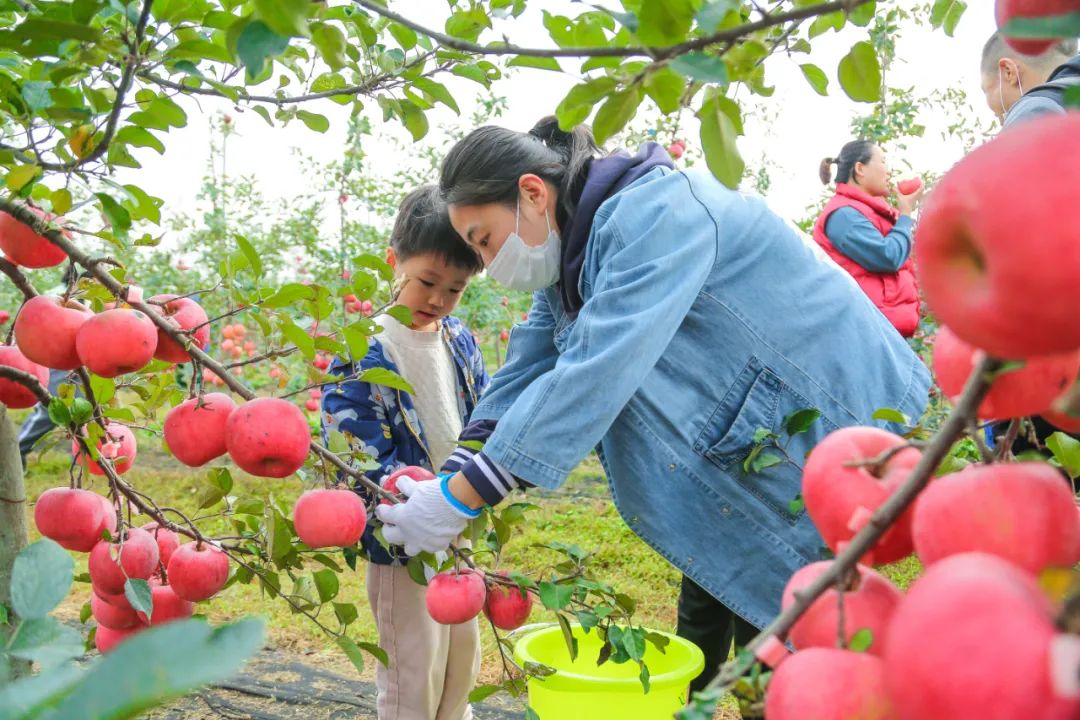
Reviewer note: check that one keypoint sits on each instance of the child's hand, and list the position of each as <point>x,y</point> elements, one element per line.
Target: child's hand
<point>428,521</point>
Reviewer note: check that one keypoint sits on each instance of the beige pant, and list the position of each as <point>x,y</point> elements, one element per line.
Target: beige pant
<point>433,667</point>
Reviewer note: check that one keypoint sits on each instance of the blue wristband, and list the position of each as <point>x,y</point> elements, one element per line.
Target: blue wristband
<point>444,485</point>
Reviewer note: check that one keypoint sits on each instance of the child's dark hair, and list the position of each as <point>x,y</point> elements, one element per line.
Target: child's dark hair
<point>856,151</point>
<point>422,227</point>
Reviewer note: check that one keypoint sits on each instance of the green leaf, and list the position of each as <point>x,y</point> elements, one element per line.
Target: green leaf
<point>468,24</point>
<point>1066,450</point>
<point>615,113</point>
<point>330,42</point>
<point>887,414</point>
<point>356,341</point>
<point>540,63</point>
<point>664,22</point>
<point>118,217</point>
<point>376,652</point>
<point>713,12</point>
<point>58,412</point>
<point>346,613</point>
<point>414,119</point>
<point>297,337</point>
<point>22,176</point>
<point>1066,25</point>
<point>284,17</point>
<point>249,252</point>
<point>46,641</point>
<point>314,121</point>
<point>387,378</point>
<point>555,597</point>
<point>40,579</point>
<point>401,313</point>
<point>665,87</point>
<point>353,652</point>
<point>633,640</point>
<point>797,505</point>
<point>718,135</point>
<point>150,673</point>
<point>256,43</point>
<point>1072,97</point>
<point>483,692</point>
<point>816,77</point>
<point>860,73</point>
<point>373,262</point>
<point>568,636</point>
<point>701,66</point>
<point>289,294</point>
<point>415,568</point>
<point>218,484</point>
<point>438,91</point>
<point>104,389</point>
<point>326,582</point>
<point>405,36</point>
<point>56,30</point>
<point>61,201</point>
<point>801,420</point>
<point>764,461</point>
<point>138,137</point>
<point>644,677</point>
<point>861,640</point>
<point>140,597</point>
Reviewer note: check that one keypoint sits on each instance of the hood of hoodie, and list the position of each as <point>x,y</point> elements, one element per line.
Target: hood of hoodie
<point>603,178</point>
<point>1068,69</point>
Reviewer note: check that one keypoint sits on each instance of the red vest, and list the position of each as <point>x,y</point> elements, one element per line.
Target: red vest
<point>895,294</point>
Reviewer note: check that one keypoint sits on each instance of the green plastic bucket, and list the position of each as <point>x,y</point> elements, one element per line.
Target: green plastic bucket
<point>582,690</point>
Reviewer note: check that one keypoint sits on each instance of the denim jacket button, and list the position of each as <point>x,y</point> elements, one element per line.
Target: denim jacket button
<point>671,467</point>
<point>725,509</point>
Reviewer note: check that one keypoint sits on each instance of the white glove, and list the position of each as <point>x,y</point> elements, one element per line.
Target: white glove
<point>428,521</point>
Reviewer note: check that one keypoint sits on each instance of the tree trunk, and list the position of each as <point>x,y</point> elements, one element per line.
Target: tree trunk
<point>13,537</point>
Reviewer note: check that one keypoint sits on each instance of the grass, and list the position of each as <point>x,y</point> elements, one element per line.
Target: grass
<point>579,513</point>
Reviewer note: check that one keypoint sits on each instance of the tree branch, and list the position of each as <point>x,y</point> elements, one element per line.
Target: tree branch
<point>77,255</point>
<point>657,53</point>
<point>883,518</point>
<point>20,281</point>
<point>118,104</point>
<point>27,380</point>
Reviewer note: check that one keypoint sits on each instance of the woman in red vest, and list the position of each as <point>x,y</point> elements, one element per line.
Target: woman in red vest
<point>867,236</point>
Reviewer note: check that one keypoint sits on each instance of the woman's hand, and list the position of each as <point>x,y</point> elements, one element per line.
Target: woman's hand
<point>906,204</point>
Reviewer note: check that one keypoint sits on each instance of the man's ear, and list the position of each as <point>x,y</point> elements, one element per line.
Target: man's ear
<point>1010,71</point>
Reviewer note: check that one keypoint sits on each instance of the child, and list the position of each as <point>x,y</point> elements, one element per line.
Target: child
<point>432,667</point>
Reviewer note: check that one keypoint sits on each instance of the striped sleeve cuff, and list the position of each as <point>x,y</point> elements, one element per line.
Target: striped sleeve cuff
<point>458,459</point>
<point>490,480</point>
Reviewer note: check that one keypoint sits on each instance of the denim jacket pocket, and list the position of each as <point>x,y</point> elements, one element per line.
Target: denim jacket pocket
<point>756,403</point>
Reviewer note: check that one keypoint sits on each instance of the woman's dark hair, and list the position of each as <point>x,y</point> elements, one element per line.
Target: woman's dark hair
<point>856,151</point>
<point>422,227</point>
<point>485,165</point>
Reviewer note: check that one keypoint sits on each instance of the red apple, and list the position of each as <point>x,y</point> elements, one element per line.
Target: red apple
<point>168,606</point>
<point>1062,421</point>
<point>110,565</point>
<point>412,471</point>
<point>311,405</point>
<point>239,331</point>
<point>117,600</point>
<point>1001,280</point>
<point>455,597</point>
<point>974,640</point>
<point>268,437</point>
<point>76,519</point>
<point>321,362</point>
<point>1023,512</point>
<point>167,541</point>
<point>25,247</point>
<point>105,639</point>
<point>909,186</point>
<point>829,684</point>
<point>197,571</point>
<point>275,372</point>
<point>196,433</point>
<point>46,328</point>
<point>349,298</point>
<point>507,606</point>
<point>112,616</point>
<point>237,353</point>
<point>118,445</point>
<point>1028,390</point>
<point>116,342</point>
<point>504,335</point>
<point>366,307</point>
<point>329,518</point>
<point>227,333</point>
<point>227,345</point>
<point>676,150</point>
<point>13,394</point>
<point>1006,10</point>
<point>4,316</point>
<point>185,314</point>
<point>840,497</point>
<point>869,604</point>
<point>249,347</point>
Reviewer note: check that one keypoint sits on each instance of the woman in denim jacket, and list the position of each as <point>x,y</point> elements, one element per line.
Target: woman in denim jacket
<point>673,318</point>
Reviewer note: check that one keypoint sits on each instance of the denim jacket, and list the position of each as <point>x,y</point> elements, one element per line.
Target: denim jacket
<point>381,422</point>
<point>706,317</point>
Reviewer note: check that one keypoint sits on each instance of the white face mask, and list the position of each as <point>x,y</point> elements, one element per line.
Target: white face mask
<point>527,267</point>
